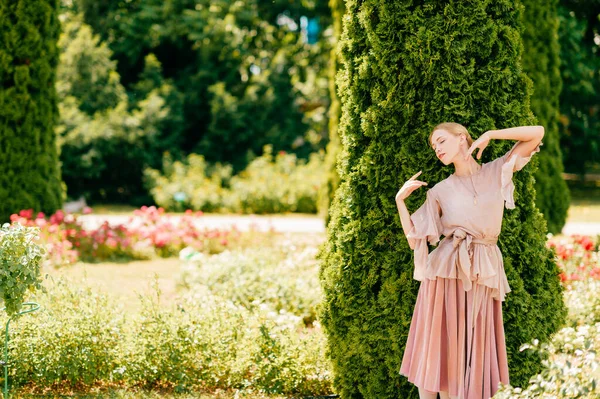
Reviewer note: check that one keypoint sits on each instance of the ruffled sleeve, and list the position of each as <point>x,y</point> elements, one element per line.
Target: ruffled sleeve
<point>511,162</point>
<point>427,227</point>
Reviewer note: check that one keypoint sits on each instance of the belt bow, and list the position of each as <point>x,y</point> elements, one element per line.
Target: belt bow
<point>464,242</point>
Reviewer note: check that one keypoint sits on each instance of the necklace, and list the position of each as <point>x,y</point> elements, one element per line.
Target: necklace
<point>474,191</point>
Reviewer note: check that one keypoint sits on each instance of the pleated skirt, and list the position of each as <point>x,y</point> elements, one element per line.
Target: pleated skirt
<point>456,340</point>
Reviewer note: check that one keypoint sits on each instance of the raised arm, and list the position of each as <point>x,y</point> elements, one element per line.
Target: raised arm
<point>529,138</point>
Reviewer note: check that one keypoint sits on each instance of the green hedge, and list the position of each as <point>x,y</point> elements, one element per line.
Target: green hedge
<point>542,64</point>
<point>409,66</point>
<point>271,183</point>
<point>29,169</point>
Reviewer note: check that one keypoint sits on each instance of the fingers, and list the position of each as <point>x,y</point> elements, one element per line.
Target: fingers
<point>479,153</point>
<point>416,184</point>
<point>415,176</point>
<point>469,151</point>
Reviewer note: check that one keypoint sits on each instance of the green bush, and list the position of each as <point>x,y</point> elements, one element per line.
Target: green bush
<point>282,280</point>
<point>279,183</point>
<point>270,184</point>
<point>192,184</point>
<point>203,342</point>
<point>29,168</point>
<point>20,260</point>
<point>407,67</point>
<point>74,339</point>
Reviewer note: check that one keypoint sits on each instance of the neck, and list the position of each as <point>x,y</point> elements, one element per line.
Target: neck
<point>466,167</point>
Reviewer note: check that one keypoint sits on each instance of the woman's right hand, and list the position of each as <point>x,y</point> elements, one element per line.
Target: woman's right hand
<point>409,186</point>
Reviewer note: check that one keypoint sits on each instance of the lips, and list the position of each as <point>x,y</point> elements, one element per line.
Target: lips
<point>441,155</point>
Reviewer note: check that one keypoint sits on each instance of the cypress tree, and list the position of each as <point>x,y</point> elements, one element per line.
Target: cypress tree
<point>407,67</point>
<point>29,169</point>
<point>333,147</point>
<point>541,62</point>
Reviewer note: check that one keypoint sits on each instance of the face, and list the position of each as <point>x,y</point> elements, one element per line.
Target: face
<point>446,145</point>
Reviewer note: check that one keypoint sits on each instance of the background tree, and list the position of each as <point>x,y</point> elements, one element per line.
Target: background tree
<point>332,181</point>
<point>242,67</point>
<point>29,168</point>
<point>241,75</point>
<point>408,67</point>
<point>579,99</point>
<point>108,136</point>
<point>542,64</point>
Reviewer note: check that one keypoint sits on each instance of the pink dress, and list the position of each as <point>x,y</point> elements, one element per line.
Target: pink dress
<point>456,339</point>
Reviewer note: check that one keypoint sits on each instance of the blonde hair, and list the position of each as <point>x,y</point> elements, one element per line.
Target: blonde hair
<point>454,128</point>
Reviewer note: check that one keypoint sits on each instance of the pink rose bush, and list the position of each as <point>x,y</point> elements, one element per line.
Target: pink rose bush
<point>148,232</point>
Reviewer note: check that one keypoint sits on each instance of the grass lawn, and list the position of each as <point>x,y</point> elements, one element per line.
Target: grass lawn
<point>585,204</point>
<point>584,212</point>
<point>126,280</point>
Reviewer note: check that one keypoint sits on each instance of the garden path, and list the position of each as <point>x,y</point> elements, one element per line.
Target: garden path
<point>289,224</point>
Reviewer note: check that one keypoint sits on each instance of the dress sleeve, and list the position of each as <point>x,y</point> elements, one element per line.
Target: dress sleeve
<point>511,162</point>
<point>427,227</point>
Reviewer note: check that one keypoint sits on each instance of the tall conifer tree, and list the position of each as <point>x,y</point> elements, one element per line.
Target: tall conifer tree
<point>29,168</point>
<point>333,147</point>
<point>407,67</point>
<point>541,62</point>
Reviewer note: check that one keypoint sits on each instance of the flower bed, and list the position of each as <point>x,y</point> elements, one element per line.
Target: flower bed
<point>149,232</point>
<point>571,368</point>
<point>577,257</point>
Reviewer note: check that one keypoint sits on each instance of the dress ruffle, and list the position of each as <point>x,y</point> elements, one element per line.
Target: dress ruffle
<point>512,163</point>
<point>427,227</point>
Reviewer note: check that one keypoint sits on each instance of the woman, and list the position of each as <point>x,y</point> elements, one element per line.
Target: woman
<point>456,342</point>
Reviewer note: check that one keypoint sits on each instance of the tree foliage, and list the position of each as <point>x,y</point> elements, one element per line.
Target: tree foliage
<point>542,64</point>
<point>107,135</point>
<point>247,77</point>
<point>333,147</point>
<point>407,67</point>
<point>29,169</point>
<point>580,66</point>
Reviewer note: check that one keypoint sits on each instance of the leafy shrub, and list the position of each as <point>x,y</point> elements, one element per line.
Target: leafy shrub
<point>570,365</point>
<point>270,184</point>
<point>80,338</point>
<point>569,360</point>
<point>279,183</point>
<point>74,338</point>
<point>20,259</point>
<point>192,184</point>
<point>281,279</point>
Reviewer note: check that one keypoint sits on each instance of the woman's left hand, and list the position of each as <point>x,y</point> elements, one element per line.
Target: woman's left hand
<point>481,143</point>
